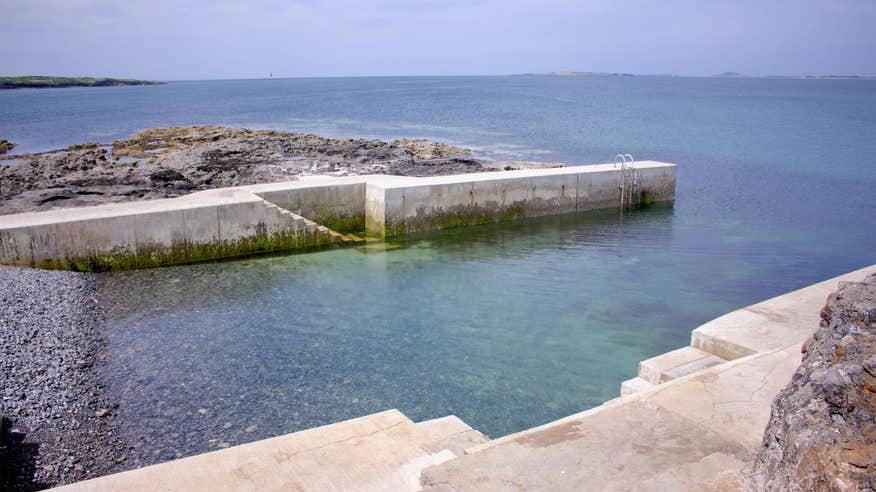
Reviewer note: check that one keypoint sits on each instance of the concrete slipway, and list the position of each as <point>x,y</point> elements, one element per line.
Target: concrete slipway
<point>310,213</point>
<point>696,431</point>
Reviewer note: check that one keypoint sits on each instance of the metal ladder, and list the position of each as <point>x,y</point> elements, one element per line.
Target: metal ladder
<point>629,182</point>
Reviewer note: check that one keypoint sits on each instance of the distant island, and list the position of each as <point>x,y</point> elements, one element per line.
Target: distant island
<point>579,74</point>
<point>39,82</point>
<point>725,75</point>
<point>737,75</point>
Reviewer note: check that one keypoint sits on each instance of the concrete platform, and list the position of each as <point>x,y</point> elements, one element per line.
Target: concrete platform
<point>380,452</point>
<point>771,324</point>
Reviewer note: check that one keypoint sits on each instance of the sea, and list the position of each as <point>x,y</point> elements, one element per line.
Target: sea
<point>506,326</point>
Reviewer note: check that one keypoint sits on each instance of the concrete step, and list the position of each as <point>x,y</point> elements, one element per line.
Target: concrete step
<point>383,451</point>
<point>451,433</point>
<point>696,433</point>
<point>629,446</point>
<point>310,226</point>
<point>673,365</point>
<point>635,385</point>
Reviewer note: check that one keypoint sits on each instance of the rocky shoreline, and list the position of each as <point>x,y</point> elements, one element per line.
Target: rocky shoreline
<point>51,82</point>
<point>169,162</point>
<point>822,433</point>
<point>57,425</point>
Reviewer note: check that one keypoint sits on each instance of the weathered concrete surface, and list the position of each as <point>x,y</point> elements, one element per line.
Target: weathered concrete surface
<point>230,222</point>
<point>338,206</point>
<point>452,201</point>
<point>451,433</point>
<point>769,325</point>
<point>379,452</point>
<point>677,363</point>
<point>697,432</point>
<point>634,385</point>
<point>203,226</point>
<point>587,454</point>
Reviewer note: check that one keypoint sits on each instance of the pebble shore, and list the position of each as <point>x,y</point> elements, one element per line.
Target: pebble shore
<point>57,426</point>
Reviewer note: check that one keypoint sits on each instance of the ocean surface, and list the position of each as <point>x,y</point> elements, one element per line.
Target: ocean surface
<point>506,326</point>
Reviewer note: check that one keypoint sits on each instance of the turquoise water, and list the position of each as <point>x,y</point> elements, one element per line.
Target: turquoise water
<point>505,326</point>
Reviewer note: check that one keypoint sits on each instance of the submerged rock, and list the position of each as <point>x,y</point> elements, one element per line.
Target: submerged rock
<point>822,433</point>
<point>169,162</point>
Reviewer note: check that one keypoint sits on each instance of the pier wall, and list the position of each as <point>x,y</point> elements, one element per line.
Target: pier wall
<point>305,214</point>
<point>465,200</point>
<point>340,207</point>
<point>155,233</point>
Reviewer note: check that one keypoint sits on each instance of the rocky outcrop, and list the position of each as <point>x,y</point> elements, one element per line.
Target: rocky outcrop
<point>822,433</point>
<point>428,149</point>
<point>5,146</point>
<point>169,162</point>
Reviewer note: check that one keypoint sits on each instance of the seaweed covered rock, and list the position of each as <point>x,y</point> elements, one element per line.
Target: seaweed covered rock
<point>822,432</point>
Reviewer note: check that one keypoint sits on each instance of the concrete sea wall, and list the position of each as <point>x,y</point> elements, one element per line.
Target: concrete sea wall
<point>156,233</point>
<point>400,206</point>
<point>309,213</point>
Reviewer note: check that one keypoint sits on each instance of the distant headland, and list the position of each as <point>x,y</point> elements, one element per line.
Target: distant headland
<point>737,75</point>
<point>40,81</point>
<point>725,75</point>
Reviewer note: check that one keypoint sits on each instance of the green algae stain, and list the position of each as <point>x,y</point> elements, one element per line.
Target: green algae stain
<point>156,255</point>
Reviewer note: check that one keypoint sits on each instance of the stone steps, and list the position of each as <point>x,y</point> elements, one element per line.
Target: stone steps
<point>635,385</point>
<point>310,226</point>
<point>451,433</point>
<point>632,445</point>
<point>378,452</point>
<point>675,364</point>
<point>669,366</point>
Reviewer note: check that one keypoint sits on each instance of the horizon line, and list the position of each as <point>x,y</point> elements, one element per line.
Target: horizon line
<point>556,73</point>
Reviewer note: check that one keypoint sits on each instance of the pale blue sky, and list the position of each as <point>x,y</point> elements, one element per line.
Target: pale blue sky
<point>198,39</point>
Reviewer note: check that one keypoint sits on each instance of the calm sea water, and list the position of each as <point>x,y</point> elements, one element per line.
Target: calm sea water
<point>506,326</point>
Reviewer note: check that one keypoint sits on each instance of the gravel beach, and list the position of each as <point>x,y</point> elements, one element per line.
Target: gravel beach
<point>57,426</point>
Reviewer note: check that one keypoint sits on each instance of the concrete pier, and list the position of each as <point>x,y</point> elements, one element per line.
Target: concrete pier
<point>309,213</point>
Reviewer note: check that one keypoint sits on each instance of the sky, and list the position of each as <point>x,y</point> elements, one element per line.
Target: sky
<point>216,39</point>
